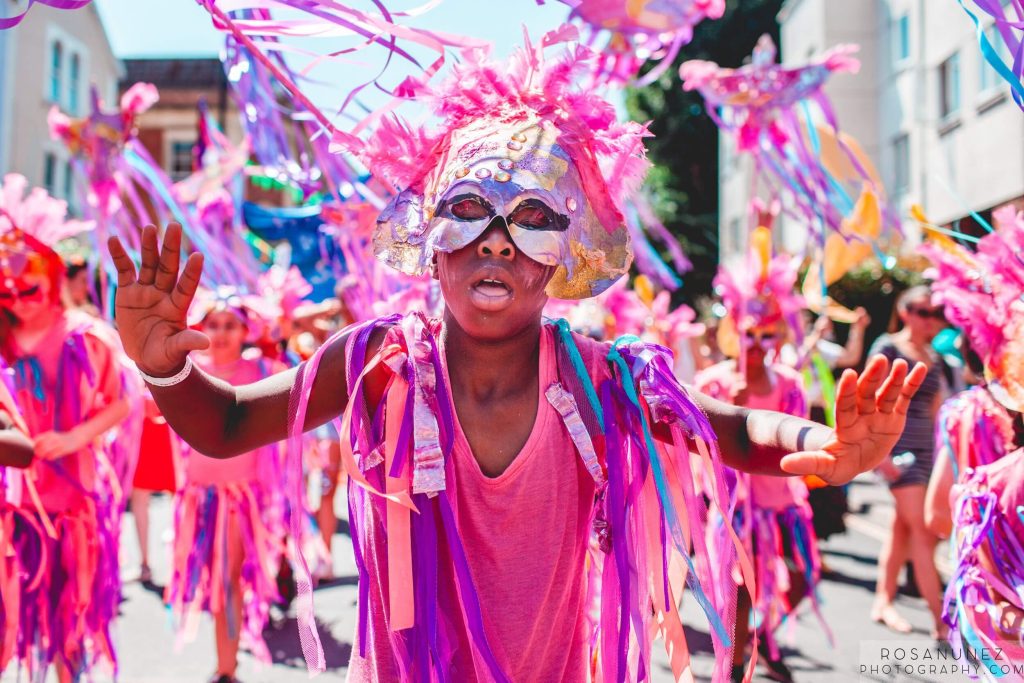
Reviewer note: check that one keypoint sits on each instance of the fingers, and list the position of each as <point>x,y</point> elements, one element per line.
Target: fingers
<point>186,341</point>
<point>867,387</point>
<point>913,382</point>
<point>890,391</point>
<point>122,262</point>
<point>150,256</point>
<point>818,463</point>
<point>846,399</point>
<point>170,259</point>
<point>185,289</point>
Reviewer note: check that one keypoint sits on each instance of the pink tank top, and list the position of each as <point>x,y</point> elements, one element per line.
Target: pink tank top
<point>766,492</point>
<point>525,533</point>
<point>775,493</point>
<point>203,470</point>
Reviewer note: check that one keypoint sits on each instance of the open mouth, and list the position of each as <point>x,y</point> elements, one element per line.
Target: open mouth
<point>490,294</point>
<point>492,287</point>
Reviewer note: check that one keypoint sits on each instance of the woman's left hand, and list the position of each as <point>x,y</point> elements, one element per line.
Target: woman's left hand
<point>871,410</point>
<point>54,445</point>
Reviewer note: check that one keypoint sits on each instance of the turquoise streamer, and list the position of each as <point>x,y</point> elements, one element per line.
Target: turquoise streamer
<point>661,484</point>
<point>565,336</point>
<point>992,57</point>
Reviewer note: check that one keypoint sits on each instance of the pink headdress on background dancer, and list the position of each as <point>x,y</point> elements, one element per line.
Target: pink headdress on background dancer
<point>30,226</point>
<point>518,141</point>
<point>783,119</point>
<point>982,292</point>
<point>640,32</point>
<point>114,172</point>
<point>759,293</point>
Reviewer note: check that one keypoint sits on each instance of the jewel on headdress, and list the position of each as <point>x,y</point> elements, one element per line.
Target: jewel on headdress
<point>505,164</point>
<point>515,146</point>
<point>483,173</point>
<point>502,177</point>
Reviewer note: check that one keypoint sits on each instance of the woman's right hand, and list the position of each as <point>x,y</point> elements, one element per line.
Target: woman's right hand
<point>150,308</point>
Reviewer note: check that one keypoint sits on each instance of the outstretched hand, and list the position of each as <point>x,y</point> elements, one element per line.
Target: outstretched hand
<point>150,308</point>
<point>871,411</point>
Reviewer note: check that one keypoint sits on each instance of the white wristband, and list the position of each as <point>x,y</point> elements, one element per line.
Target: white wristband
<point>177,378</point>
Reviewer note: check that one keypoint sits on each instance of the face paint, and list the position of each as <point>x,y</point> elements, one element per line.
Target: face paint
<point>521,174</point>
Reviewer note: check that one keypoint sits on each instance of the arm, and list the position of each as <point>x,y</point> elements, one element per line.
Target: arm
<point>870,414</point>
<point>755,441</point>
<point>15,448</point>
<point>854,349</point>
<point>938,516</point>
<point>214,417</point>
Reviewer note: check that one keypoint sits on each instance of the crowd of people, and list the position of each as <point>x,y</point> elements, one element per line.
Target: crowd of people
<point>542,458</point>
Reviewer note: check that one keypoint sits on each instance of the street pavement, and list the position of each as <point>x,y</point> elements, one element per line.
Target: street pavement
<point>148,653</point>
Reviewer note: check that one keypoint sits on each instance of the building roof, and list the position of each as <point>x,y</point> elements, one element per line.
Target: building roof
<point>175,73</point>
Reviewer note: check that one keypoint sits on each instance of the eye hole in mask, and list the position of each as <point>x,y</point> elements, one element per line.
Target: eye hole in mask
<point>530,214</point>
<point>533,214</point>
<point>469,207</point>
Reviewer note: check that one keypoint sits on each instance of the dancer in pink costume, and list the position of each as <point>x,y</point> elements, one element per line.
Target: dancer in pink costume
<point>69,386</point>
<point>983,293</point>
<point>229,523</point>
<point>483,552</point>
<point>973,428</point>
<point>774,518</point>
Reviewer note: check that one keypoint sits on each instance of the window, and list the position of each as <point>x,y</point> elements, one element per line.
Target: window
<point>69,183</point>
<point>949,86</point>
<point>56,65</point>
<point>74,83</point>
<point>901,165</point>
<point>988,78</point>
<point>181,160</point>
<point>50,172</point>
<point>901,37</point>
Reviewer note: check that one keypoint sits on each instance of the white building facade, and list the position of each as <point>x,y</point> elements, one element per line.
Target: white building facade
<point>936,120</point>
<point>52,57</point>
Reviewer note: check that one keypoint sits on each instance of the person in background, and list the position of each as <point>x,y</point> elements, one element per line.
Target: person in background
<point>69,387</point>
<point>909,469</point>
<point>77,286</point>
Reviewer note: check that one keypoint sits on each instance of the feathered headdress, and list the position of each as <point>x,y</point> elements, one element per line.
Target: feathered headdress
<point>762,290</point>
<point>31,225</point>
<point>983,295</point>
<point>501,123</point>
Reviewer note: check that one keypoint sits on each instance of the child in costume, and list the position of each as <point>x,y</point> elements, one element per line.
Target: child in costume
<point>521,498</point>
<point>70,389</point>
<point>983,293</point>
<point>229,515</point>
<point>773,518</point>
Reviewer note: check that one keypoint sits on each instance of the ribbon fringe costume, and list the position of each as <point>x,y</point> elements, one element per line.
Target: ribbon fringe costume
<point>647,519</point>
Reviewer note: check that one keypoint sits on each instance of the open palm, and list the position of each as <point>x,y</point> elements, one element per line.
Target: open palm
<point>150,307</point>
<point>871,411</point>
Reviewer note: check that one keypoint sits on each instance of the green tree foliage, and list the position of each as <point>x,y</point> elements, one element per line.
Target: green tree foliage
<point>684,149</point>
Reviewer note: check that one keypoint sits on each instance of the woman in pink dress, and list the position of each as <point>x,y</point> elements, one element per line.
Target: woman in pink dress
<point>774,518</point>
<point>229,516</point>
<point>69,385</point>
